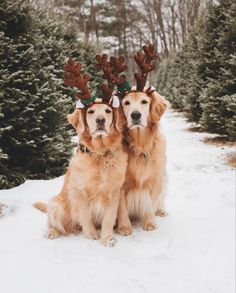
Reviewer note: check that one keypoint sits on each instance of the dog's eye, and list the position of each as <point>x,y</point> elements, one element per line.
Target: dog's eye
<point>144,102</point>
<point>126,103</point>
<point>90,112</point>
<point>108,111</point>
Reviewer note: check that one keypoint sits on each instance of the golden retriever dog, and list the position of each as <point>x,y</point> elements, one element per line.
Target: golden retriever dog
<point>90,195</point>
<point>143,190</point>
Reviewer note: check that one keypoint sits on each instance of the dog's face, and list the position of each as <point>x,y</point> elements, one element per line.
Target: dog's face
<point>136,107</point>
<point>139,108</point>
<point>99,119</point>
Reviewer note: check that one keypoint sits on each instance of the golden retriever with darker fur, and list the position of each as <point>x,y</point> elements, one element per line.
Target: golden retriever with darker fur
<point>143,190</point>
<point>91,191</point>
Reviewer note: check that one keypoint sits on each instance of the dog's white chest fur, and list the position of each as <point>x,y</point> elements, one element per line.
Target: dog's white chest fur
<point>138,203</point>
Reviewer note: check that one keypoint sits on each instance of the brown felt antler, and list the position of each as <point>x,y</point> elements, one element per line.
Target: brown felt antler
<point>73,77</point>
<point>143,61</point>
<point>111,70</point>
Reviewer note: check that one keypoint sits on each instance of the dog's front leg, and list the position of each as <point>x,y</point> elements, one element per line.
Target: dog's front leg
<point>158,197</point>
<point>149,221</point>
<point>85,219</point>
<point>148,212</point>
<point>124,224</point>
<point>109,220</point>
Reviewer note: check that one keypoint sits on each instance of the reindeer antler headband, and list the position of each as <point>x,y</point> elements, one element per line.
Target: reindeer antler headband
<point>112,68</point>
<point>73,77</point>
<point>143,61</point>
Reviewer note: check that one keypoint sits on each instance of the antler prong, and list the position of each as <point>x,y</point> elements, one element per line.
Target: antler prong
<point>143,61</point>
<point>111,70</point>
<point>73,77</point>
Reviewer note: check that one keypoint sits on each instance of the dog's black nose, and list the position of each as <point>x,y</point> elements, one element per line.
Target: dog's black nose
<point>136,115</point>
<point>100,121</point>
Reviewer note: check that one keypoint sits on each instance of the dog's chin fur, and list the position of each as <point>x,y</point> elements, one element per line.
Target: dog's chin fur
<point>101,142</point>
<point>133,126</point>
<point>100,133</point>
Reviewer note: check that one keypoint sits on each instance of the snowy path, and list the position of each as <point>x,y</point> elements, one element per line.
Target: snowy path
<point>191,252</point>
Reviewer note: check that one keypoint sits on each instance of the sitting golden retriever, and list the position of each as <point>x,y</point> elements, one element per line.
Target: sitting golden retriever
<point>90,195</point>
<point>145,176</point>
<point>143,190</point>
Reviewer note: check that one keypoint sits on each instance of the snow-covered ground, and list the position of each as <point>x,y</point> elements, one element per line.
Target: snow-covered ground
<point>191,252</point>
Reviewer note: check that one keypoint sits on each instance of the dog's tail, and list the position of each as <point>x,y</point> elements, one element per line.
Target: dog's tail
<point>41,206</point>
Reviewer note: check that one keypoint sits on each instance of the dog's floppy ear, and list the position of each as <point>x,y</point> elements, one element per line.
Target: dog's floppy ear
<point>158,106</point>
<point>76,119</point>
<point>119,119</point>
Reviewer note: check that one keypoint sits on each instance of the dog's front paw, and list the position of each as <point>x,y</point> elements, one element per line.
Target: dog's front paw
<point>52,234</point>
<point>161,213</point>
<point>125,230</point>
<point>91,234</point>
<point>109,241</point>
<point>149,226</point>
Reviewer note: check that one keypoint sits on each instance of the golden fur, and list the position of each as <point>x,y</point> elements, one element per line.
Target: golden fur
<point>143,195</point>
<point>91,191</point>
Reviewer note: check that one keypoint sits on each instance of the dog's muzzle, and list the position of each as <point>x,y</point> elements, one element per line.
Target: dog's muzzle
<point>100,129</point>
<point>100,123</point>
<point>135,116</point>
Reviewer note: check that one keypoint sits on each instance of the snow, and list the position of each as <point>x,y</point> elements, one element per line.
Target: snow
<point>191,252</point>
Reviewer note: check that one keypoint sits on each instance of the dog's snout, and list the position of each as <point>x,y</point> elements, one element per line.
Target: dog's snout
<point>100,120</point>
<point>135,115</point>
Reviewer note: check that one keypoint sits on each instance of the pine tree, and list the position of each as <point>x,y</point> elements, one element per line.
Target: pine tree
<point>201,77</point>
<point>35,141</point>
<point>193,83</point>
<point>218,98</point>
<point>162,75</point>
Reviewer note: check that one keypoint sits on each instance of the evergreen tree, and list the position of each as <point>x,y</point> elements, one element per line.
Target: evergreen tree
<point>35,141</point>
<point>162,76</point>
<point>201,77</point>
<point>218,98</point>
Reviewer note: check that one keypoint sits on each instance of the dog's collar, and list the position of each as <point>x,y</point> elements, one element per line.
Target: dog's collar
<point>145,156</point>
<point>83,148</point>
